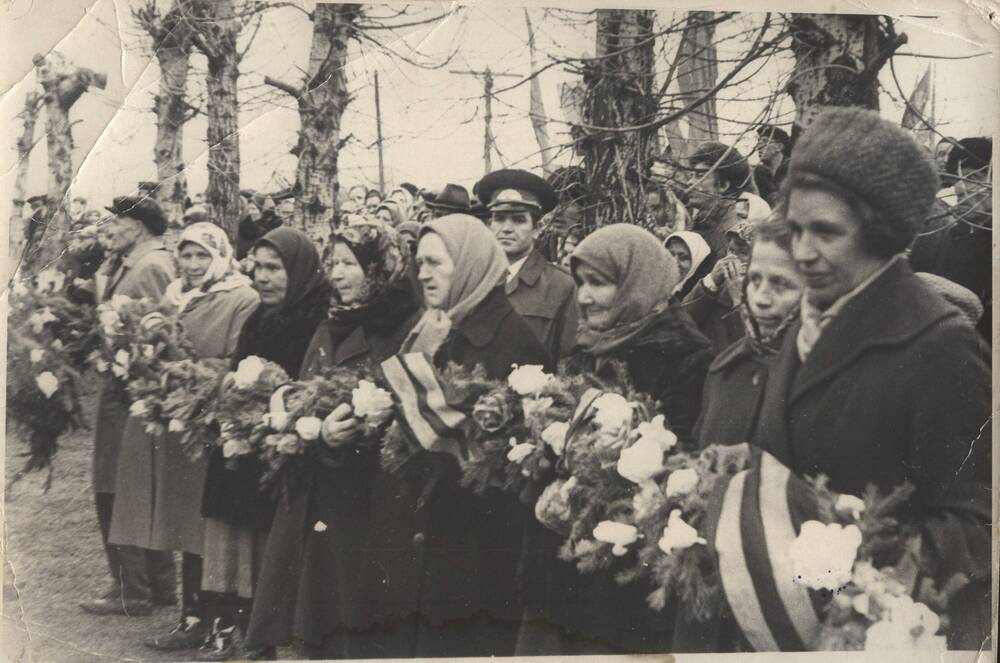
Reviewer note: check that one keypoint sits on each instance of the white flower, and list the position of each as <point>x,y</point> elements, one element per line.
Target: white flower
<point>646,500</point>
<point>176,426</point>
<point>80,283</point>
<point>36,355</point>
<point>248,371</point>
<point>148,351</point>
<point>101,365</point>
<point>122,358</point>
<point>681,482</point>
<point>39,319</point>
<point>47,382</point>
<point>535,407</point>
<point>849,505</point>
<point>51,280</point>
<point>908,628</point>
<point>119,371</point>
<point>823,555</point>
<point>368,400</point>
<point>861,604</point>
<point>138,408</point>
<point>528,380</point>
<point>118,301</point>
<point>308,427</point>
<point>235,447</point>
<point>678,535</point>
<point>108,318</point>
<point>20,289</point>
<point>619,534</point>
<point>641,461</point>
<point>320,526</point>
<point>57,344</point>
<point>518,452</point>
<point>612,412</point>
<point>554,435</point>
<point>655,430</point>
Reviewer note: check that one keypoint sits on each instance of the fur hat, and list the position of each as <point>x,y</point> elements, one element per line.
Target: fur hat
<point>873,159</point>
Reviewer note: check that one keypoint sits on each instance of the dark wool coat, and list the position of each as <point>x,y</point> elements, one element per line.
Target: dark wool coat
<point>234,496</point>
<point>668,361</point>
<point>545,296</point>
<point>308,579</point>
<point>897,388</point>
<point>715,314</point>
<point>734,390</point>
<point>438,576</point>
<point>145,272</point>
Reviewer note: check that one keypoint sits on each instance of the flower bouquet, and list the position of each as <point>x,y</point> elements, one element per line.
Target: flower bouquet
<point>136,331</point>
<point>300,412</point>
<point>189,402</point>
<point>244,405</point>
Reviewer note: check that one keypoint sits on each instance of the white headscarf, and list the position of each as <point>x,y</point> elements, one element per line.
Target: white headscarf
<point>697,247</point>
<point>223,272</point>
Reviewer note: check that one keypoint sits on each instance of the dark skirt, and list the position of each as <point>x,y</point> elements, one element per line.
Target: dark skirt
<point>234,494</point>
<point>309,575</point>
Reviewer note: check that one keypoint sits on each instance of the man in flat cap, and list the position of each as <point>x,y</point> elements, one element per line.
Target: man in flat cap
<point>718,174</point>
<point>542,293</point>
<point>142,267</point>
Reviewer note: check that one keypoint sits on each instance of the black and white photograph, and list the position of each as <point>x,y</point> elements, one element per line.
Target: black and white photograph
<point>536,330</point>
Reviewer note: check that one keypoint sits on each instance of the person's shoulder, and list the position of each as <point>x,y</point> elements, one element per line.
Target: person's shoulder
<point>735,355</point>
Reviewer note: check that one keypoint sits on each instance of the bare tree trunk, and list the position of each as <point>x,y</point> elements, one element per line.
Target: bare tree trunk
<point>25,143</point>
<point>837,61</point>
<point>619,94</point>
<point>216,28</point>
<point>171,37</point>
<point>697,71</point>
<point>539,119</point>
<point>322,99</point>
<point>63,85</point>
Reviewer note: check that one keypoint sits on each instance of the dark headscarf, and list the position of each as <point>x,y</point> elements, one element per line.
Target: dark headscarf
<point>301,260</point>
<point>644,271</point>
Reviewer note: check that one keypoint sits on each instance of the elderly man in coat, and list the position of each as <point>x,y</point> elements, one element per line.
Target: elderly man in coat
<point>882,381</point>
<point>140,266</point>
<point>541,293</point>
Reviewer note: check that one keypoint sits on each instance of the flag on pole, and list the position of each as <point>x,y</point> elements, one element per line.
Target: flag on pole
<point>917,102</point>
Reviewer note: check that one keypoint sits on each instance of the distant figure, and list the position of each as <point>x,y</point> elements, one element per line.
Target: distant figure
<point>719,174</point>
<point>773,147</point>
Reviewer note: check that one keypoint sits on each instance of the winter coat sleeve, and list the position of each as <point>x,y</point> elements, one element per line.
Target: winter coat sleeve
<point>241,312</point>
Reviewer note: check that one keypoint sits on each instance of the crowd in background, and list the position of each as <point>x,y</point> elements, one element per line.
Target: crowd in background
<point>820,304</point>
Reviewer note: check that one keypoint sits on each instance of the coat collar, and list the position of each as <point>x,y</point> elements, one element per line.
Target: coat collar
<point>739,350</point>
<point>895,308</point>
<point>529,273</point>
<point>482,324</point>
<point>140,250</point>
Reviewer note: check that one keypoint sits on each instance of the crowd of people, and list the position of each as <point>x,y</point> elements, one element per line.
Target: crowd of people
<point>822,305</point>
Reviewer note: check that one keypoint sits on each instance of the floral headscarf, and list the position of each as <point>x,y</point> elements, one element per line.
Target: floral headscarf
<point>223,272</point>
<point>381,254</point>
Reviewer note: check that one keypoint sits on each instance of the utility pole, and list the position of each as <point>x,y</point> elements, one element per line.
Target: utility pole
<point>378,134</point>
<point>487,77</point>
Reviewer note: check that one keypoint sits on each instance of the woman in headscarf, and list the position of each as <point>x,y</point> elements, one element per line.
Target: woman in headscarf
<point>628,317</point>
<point>390,213</point>
<point>438,577</point>
<point>308,577</point>
<point>158,485</point>
<point>294,298</point>
<point>694,260</point>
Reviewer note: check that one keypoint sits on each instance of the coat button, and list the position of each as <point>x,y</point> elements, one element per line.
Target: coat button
<point>756,379</point>
<point>419,537</point>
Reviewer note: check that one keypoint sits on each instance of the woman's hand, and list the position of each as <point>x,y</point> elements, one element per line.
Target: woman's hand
<point>340,426</point>
<point>728,268</point>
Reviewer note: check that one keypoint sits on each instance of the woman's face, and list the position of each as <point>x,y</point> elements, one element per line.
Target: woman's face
<point>436,269</point>
<point>269,276</point>
<point>346,273</point>
<point>774,286</point>
<point>596,297</point>
<point>384,215</point>
<point>193,262</point>
<point>679,250</point>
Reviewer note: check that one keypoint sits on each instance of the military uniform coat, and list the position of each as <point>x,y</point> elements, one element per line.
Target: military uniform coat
<point>897,388</point>
<point>158,487</point>
<point>144,272</point>
<point>545,296</point>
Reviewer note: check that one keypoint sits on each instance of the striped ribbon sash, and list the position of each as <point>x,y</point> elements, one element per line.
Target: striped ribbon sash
<point>428,419</point>
<point>759,513</point>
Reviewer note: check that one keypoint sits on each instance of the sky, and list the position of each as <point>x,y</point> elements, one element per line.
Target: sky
<point>432,119</point>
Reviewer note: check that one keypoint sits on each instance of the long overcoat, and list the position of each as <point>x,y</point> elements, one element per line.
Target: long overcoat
<point>159,487</point>
<point>438,576</point>
<point>545,296</point>
<point>897,388</point>
<point>734,390</point>
<point>309,576</point>
<point>144,272</point>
